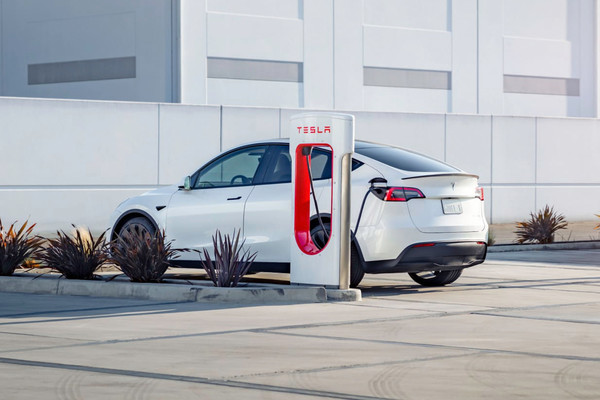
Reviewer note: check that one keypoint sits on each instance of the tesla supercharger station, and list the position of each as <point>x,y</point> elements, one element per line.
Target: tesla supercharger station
<point>330,265</point>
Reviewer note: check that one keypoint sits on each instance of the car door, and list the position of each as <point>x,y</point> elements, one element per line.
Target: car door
<point>216,200</point>
<point>268,215</point>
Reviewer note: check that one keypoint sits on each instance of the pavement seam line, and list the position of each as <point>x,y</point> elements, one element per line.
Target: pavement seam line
<point>187,378</point>
<point>442,346</point>
<point>31,314</point>
<point>563,320</point>
<point>352,366</point>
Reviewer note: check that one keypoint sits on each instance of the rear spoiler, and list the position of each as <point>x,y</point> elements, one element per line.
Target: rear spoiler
<point>442,174</point>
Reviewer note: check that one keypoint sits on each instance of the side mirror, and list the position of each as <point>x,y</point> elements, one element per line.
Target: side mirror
<point>187,183</point>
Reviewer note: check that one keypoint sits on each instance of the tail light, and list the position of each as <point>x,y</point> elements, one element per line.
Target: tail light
<point>403,194</point>
<point>479,193</point>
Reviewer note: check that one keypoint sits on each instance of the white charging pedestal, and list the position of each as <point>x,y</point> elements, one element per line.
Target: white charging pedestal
<point>329,266</point>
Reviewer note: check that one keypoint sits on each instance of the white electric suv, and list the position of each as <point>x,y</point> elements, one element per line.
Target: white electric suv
<point>410,213</point>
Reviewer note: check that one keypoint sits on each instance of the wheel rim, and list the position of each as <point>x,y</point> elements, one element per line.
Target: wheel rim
<point>137,230</point>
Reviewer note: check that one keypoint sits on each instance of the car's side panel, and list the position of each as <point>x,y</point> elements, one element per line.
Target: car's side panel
<point>268,222</point>
<point>194,216</point>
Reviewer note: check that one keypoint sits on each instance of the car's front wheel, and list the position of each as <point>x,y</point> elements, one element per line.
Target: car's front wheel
<point>435,278</point>
<point>356,271</point>
<point>137,225</point>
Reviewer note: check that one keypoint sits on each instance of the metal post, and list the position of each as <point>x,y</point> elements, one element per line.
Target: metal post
<point>345,222</point>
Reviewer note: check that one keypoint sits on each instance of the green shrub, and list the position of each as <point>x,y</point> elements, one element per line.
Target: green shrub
<point>230,263</point>
<point>17,246</point>
<point>540,227</point>
<point>76,257</point>
<point>141,256</point>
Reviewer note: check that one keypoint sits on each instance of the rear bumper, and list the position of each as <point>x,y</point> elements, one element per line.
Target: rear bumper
<point>439,256</point>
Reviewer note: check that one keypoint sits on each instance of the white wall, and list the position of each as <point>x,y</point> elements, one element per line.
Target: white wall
<point>269,30</point>
<point>67,161</point>
<point>549,38</point>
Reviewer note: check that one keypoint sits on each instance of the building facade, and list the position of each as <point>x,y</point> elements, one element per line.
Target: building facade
<point>501,57</point>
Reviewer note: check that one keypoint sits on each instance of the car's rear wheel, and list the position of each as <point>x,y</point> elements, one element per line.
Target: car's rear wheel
<point>137,225</point>
<point>356,271</point>
<point>435,278</point>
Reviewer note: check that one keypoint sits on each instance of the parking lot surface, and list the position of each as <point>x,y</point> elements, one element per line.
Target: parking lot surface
<point>523,324</point>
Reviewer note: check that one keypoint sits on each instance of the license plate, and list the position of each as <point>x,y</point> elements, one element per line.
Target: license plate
<point>452,206</point>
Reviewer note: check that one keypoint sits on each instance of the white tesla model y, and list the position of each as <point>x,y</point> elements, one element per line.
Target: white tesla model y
<point>410,213</point>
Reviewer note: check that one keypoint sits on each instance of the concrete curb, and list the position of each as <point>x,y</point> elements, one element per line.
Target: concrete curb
<point>501,248</point>
<point>344,295</point>
<point>260,293</point>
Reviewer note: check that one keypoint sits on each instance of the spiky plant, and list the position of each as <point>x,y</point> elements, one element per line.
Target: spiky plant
<point>541,226</point>
<point>16,246</point>
<point>230,263</point>
<point>141,256</point>
<point>77,256</point>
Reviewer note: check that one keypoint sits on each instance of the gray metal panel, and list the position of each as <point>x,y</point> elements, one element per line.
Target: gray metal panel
<point>82,70</point>
<point>541,85</point>
<point>259,70</point>
<point>407,78</point>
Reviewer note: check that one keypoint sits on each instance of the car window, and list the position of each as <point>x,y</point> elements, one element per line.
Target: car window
<point>280,170</point>
<point>233,169</point>
<point>320,164</point>
<point>281,166</point>
<point>403,159</point>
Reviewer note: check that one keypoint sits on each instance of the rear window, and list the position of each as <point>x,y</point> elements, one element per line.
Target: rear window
<point>403,159</point>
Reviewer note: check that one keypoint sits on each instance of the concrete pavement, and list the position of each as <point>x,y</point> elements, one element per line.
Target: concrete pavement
<point>523,324</point>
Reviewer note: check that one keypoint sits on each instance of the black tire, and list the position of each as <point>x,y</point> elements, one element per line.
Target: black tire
<point>138,225</point>
<point>356,271</point>
<point>435,278</point>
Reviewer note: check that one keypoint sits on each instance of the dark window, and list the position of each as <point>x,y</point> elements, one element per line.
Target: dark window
<point>281,170</point>
<point>320,164</point>
<point>233,169</point>
<point>402,159</point>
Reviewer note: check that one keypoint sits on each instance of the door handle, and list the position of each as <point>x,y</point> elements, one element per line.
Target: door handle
<point>234,198</point>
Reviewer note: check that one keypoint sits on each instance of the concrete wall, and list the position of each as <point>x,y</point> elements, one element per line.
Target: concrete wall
<point>66,161</point>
